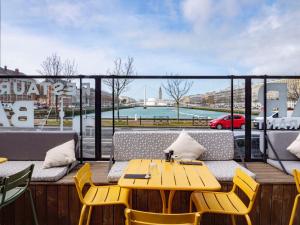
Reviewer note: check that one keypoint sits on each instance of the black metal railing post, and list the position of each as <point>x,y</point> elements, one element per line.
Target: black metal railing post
<point>248,101</point>
<point>231,103</point>
<point>98,127</point>
<point>113,105</point>
<point>80,113</point>
<point>265,118</point>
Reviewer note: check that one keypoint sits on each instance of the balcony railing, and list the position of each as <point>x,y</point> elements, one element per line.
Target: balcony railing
<point>80,102</point>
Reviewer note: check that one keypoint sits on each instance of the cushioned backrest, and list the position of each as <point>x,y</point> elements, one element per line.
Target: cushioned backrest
<point>280,141</point>
<point>30,145</point>
<point>150,144</point>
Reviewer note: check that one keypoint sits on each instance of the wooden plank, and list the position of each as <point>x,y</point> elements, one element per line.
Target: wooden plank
<point>119,210</point>
<point>63,204</point>
<point>8,213</point>
<point>97,215</point>
<point>108,215</point>
<point>255,213</point>
<point>265,204</point>
<point>41,203</point>
<point>142,200</point>
<point>19,213</point>
<point>288,201</point>
<point>154,201</point>
<point>74,205</point>
<point>297,218</point>
<point>276,205</point>
<point>52,205</point>
<point>265,174</point>
<point>28,210</point>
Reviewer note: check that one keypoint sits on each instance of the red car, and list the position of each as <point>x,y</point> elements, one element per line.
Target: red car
<point>224,122</point>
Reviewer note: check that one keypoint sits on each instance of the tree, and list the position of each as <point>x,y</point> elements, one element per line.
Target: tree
<point>54,66</point>
<point>294,90</point>
<point>120,85</point>
<point>177,89</point>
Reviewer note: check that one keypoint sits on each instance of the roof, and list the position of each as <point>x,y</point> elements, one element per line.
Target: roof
<point>5,71</point>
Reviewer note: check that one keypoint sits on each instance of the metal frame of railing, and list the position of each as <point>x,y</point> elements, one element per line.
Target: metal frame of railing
<point>98,87</point>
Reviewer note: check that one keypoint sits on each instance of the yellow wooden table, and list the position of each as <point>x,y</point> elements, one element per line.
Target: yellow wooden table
<point>3,160</point>
<point>171,177</point>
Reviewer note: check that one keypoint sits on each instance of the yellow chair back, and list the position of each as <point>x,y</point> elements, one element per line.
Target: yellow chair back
<point>134,217</point>
<point>296,174</point>
<point>247,184</point>
<point>83,177</point>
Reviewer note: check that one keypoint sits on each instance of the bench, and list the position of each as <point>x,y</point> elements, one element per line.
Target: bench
<point>23,148</point>
<point>278,155</point>
<point>129,145</point>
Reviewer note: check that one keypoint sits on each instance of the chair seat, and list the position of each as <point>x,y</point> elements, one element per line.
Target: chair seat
<point>106,195</point>
<point>9,195</point>
<point>218,202</point>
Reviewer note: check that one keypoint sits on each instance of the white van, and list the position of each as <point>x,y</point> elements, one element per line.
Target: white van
<point>275,122</point>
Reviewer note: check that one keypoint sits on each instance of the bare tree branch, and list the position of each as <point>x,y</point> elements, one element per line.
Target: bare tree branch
<point>176,89</point>
<point>120,85</point>
<point>294,90</point>
<point>69,67</point>
<point>54,66</point>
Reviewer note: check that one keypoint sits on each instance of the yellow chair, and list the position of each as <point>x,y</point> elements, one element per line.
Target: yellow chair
<point>97,195</point>
<point>134,217</point>
<point>228,202</point>
<point>297,181</point>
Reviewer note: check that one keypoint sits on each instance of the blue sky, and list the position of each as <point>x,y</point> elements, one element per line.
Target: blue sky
<point>203,37</point>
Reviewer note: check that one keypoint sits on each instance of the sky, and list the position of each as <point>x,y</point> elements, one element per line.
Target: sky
<point>186,37</point>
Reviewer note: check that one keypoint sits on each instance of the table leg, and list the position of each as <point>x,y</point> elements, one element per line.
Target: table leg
<point>170,201</point>
<point>166,207</point>
<point>163,200</point>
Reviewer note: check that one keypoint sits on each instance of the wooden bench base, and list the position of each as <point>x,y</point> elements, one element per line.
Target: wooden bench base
<point>58,204</point>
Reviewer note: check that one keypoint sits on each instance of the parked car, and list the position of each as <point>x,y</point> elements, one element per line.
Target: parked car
<point>260,120</point>
<point>224,122</point>
<point>276,122</point>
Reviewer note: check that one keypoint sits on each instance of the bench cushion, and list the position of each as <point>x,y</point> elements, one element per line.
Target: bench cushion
<point>150,144</point>
<point>280,141</point>
<point>288,165</point>
<point>223,170</point>
<point>33,145</point>
<point>39,173</point>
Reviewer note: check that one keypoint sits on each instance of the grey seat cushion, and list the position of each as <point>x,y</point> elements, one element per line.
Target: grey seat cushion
<point>39,173</point>
<point>225,170</point>
<point>222,170</point>
<point>288,165</point>
<point>150,144</point>
<point>116,171</point>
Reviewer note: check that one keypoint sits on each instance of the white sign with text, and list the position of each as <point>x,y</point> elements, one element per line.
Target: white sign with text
<point>21,113</point>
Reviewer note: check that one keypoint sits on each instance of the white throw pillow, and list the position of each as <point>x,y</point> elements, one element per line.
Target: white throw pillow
<point>60,155</point>
<point>186,147</point>
<point>294,147</point>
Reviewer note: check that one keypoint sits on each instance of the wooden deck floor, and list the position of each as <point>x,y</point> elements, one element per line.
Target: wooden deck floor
<point>265,174</point>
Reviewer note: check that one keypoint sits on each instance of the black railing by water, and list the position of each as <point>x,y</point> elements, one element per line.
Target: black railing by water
<point>98,90</point>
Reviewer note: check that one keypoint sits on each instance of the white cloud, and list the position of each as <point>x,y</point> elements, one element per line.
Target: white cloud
<point>269,44</point>
<point>265,43</point>
<point>203,13</point>
<point>198,12</point>
<point>65,13</point>
<point>26,51</point>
